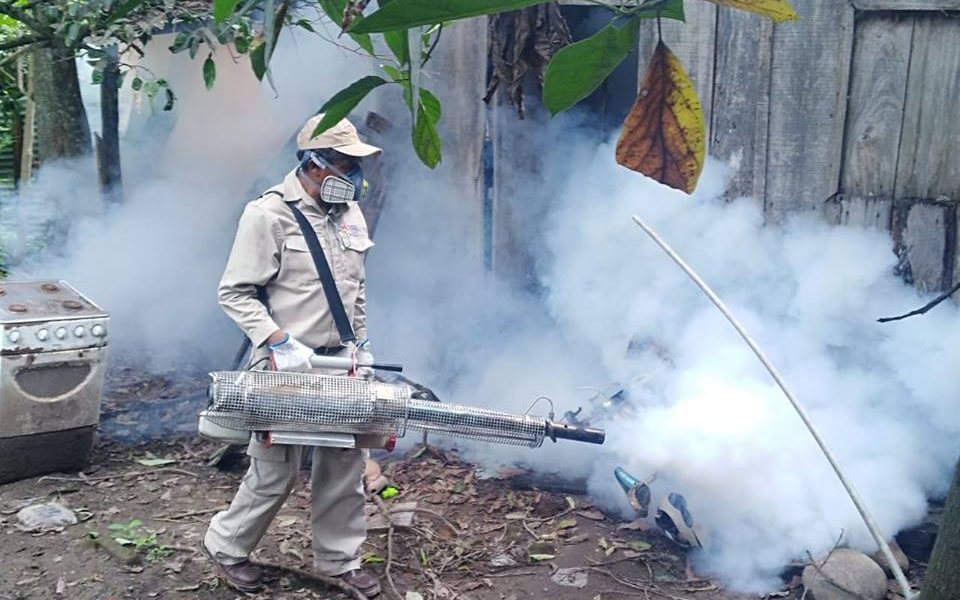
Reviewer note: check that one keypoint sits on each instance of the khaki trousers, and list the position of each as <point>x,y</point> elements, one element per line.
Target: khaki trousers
<point>337,518</point>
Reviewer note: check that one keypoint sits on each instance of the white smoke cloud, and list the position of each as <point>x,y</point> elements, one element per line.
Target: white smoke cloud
<point>153,261</point>
<point>703,415</point>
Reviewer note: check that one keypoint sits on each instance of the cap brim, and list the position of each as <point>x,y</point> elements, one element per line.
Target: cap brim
<point>358,150</point>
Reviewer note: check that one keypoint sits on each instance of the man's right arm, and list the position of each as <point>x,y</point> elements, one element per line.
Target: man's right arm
<point>254,260</point>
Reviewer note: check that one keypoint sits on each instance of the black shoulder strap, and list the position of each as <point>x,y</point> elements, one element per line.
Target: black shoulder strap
<point>326,277</point>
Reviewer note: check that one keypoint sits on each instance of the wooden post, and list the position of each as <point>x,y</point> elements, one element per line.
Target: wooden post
<point>108,143</point>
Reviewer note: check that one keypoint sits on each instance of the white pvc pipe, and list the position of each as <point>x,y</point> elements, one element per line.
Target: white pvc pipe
<point>847,484</point>
<point>318,361</point>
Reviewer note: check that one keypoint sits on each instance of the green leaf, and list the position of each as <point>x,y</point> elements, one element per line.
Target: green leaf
<point>258,60</point>
<point>271,30</point>
<point>394,73</point>
<point>180,42</point>
<point>334,10</point>
<point>242,44</point>
<point>209,71</point>
<point>404,14</point>
<point>426,140</point>
<point>223,9</point>
<point>430,105</point>
<point>340,105</point>
<point>667,9</point>
<point>399,44</point>
<point>577,70</point>
<point>123,10</point>
<point>305,24</point>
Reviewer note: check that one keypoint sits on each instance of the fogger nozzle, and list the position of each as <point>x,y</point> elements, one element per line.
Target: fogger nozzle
<point>310,403</point>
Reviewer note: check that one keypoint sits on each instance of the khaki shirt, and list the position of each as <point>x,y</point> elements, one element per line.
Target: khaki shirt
<point>271,252</point>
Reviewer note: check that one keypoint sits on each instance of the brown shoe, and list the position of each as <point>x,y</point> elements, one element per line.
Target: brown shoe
<point>365,582</point>
<point>242,576</point>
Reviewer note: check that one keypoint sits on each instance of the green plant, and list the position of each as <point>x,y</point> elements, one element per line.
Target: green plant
<point>129,534</point>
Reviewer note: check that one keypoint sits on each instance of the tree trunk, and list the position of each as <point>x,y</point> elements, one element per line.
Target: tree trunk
<point>942,581</point>
<point>17,131</point>
<point>62,130</point>
<point>108,144</point>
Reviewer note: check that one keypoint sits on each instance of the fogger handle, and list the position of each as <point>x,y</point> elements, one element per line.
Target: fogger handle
<point>340,362</point>
<point>564,431</point>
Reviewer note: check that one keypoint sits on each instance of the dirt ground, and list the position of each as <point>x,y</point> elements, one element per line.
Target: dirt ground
<point>449,552</point>
<point>471,538</point>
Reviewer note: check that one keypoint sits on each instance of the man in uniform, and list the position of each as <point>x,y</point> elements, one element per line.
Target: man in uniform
<point>270,265</point>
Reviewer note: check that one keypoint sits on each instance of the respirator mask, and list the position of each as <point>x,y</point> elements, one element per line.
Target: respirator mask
<point>341,187</point>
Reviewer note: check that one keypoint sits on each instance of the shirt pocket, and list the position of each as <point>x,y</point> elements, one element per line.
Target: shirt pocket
<point>296,263</point>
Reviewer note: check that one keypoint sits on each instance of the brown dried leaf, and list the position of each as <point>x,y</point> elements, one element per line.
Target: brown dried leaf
<point>638,525</point>
<point>663,136</point>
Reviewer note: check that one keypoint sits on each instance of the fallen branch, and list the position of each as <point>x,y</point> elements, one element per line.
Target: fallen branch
<point>427,511</point>
<point>324,579</point>
<point>562,513</point>
<point>92,480</point>
<point>634,585</point>
<point>192,513</point>
<point>923,309</point>
<point>513,574</point>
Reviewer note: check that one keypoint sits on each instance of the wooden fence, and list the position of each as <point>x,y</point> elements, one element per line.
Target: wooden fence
<point>852,112</point>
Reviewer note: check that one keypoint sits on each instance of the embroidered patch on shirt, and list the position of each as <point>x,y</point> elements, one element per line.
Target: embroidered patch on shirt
<point>352,230</point>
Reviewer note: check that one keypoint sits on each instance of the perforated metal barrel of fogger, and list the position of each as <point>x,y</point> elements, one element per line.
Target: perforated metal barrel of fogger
<point>272,401</point>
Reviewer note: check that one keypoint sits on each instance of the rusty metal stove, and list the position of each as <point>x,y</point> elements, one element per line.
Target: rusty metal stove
<point>53,347</point>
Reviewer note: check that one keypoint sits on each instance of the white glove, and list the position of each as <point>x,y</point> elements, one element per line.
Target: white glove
<point>290,355</point>
<point>366,357</point>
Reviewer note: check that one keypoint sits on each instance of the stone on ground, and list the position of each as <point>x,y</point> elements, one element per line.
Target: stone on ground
<point>46,516</point>
<point>845,575</point>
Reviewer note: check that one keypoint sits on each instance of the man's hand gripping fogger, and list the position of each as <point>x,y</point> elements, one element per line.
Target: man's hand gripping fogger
<point>289,354</point>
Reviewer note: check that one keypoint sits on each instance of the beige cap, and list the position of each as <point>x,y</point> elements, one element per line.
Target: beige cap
<point>342,137</point>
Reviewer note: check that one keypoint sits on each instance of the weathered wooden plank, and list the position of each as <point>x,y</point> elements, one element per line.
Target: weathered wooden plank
<point>920,234</point>
<point>935,5</point>
<point>808,91</point>
<point>929,162</point>
<point>741,99</point>
<point>878,88</point>
<point>462,58</point>
<point>874,213</point>
<point>692,42</point>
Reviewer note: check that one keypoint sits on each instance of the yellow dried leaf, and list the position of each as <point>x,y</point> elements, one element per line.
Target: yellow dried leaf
<point>663,136</point>
<point>778,10</point>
